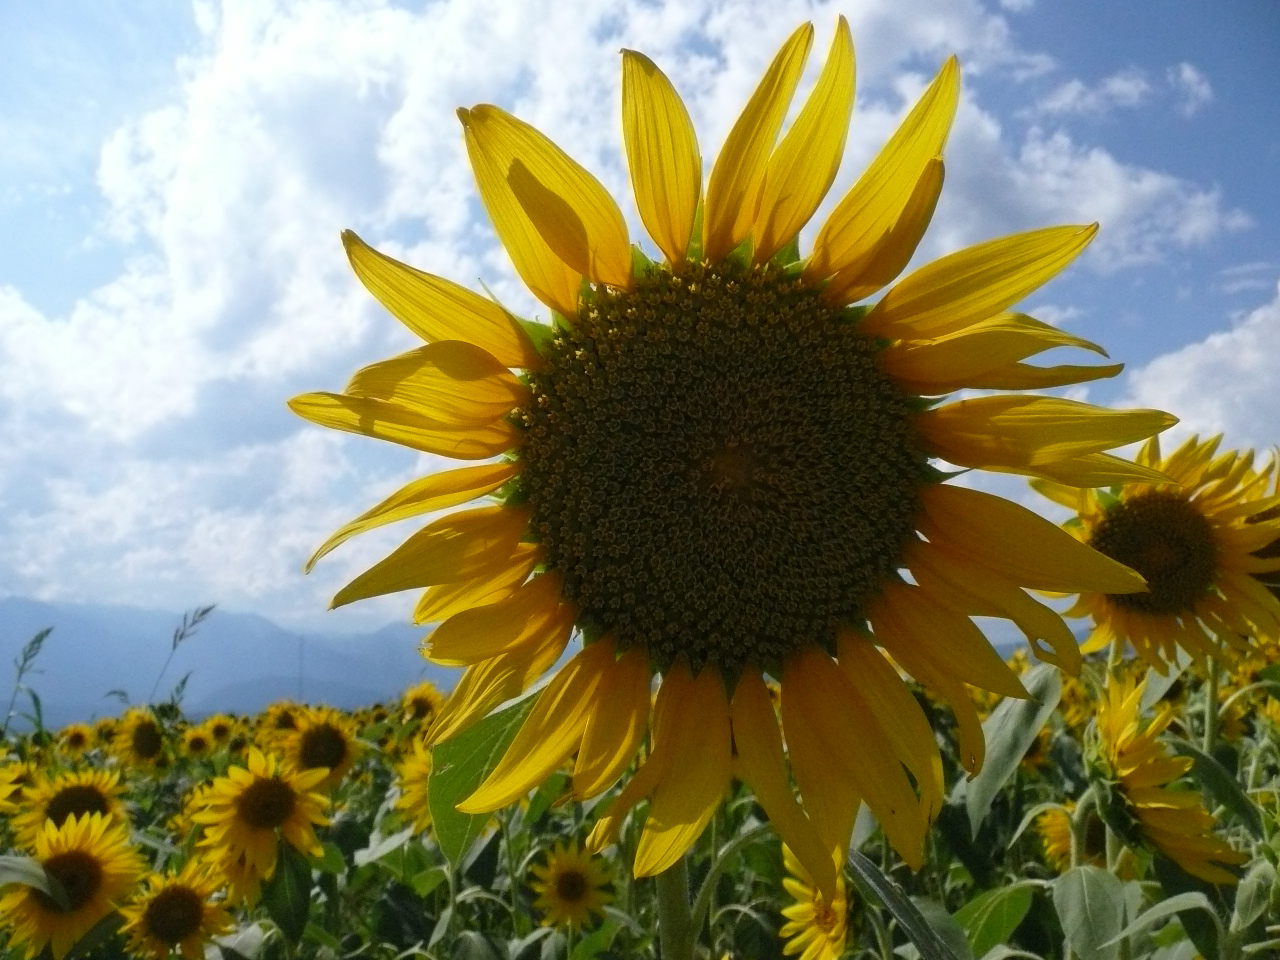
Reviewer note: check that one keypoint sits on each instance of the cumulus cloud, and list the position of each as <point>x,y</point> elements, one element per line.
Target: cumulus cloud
<point>1191,86</point>
<point>1224,383</point>
<point>1128,88</point>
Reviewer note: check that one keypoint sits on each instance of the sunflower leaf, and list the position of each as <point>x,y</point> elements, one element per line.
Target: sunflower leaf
<point>287,895</point>
<point>458,766</point>
<point>1090,905</point>
<point>1221,785</point>
<point>876,884</point>
<point>990,918</point>
<point>29,873</point>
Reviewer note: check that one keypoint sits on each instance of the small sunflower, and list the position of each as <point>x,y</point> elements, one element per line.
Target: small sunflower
<point>1135,771</point>
<point>817,927</point>
<point>176,912</point>
<point>247,810</point>
<point>221,728</point>
<point>275,722</point>
<point>571,887</point>
<point>104,732</point>
<point>322,738</point>
<point>139,740</point>
<point>414,775</point>
<point>74,739</point>
<point>92,859</point>
<point>421,703</point>
<point>193,801</point>
<point>1193,538</point>
<point>68,795</point>
<point>197,742</point>
<point>718,466</point>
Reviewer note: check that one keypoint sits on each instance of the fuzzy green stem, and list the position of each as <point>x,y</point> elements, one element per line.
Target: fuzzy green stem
<point>675,918</point>
<point>1211,707</point>
<point>1080,824</point>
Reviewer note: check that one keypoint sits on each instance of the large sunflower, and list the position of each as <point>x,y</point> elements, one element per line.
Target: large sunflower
<point>1192,538</point>
<point>91,858</point>
<point>1139,803</point>
<point>72,794</point>
<point>717,466</point>
<point>176,912</point>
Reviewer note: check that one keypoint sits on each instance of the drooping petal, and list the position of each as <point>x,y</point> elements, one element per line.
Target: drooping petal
<point>461,546</point>
<point>532,613</point>
<point>801,169</point>
<point>384,420</point>
<point>759,761</point>
<point>1090,471</point>
<point>733,191</point>
<point>875,203</point>
<point>973,745</point>
<point>972,284</point>
<point>546,275</point>
<point>663,155</point>
<point>549,734</point>
<point>697,773</point>
<point>438,309</point>
<point>442,600</point>
<point>1013,431</point>
<point>433,492</point>
<point>615,726</point>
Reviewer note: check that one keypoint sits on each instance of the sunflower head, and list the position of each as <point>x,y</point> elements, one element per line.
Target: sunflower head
<point>322,738</point>
<point>414,775</point>
<point>197,742</point>
<point>176,912</point>
<point>817,925</point>
<point>420,704</point>
<point>65,796</point>
<point>221,728</point>
<point>75,739</point>
<point>719,461</point>
<point>571,887</point>
<point>140,740</point>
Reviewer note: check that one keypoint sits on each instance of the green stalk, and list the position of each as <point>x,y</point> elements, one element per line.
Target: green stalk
<point>675,918</point>
<point>1211,707</point>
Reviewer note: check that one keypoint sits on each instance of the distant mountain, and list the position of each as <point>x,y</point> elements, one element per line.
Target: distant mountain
<point>238,662</point>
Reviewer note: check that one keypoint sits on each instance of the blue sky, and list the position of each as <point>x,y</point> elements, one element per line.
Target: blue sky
<point>173,179</point>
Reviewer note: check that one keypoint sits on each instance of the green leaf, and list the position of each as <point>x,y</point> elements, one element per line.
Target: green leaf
<point>244,944</point>
<point>544,797</point>
<point>1165,908</point>
<point>1270,672</point>
<point>989,919</point>
<point>876,884</point>
<point>330,860</point>
<point>596,942</point>
<point>458,766</point>
<point>1090,905</point>
<point>1010,731</point>
<point>472,945</point>
<point>28,872</point>
<point>381,847</point>
<point>1252,893</point>
<point>1160,684</point>
<point>287,895</point>
<point>1221,785</point>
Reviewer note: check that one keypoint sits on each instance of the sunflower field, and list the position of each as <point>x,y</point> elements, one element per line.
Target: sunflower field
<point>718,579</point>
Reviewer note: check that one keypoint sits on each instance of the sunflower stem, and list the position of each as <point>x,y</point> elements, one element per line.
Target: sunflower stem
<point>1080,824</point>
<point>1211,707</point>
<point>675,918</point>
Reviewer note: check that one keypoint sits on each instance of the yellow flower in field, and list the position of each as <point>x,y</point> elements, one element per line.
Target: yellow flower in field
<point>197,742</point>
<point>816,926</point>
<point>248,809</point>
<point>74,739</point>
<point>193,801</point>
<point>139,740</point>
<point>1138,802</point>
<point>716,467</point>
<point>322,738</point>
<point>15,777</point>
<point>1193,538</point>
<point>91,858</point>
<point>221,728</point>
<point>176,912</point>
<point>104,732</point>
<point>414,775</point>
<point>61,797</point>
<point>276,721</point>
<point>421,703</point>
<point>571,887</point>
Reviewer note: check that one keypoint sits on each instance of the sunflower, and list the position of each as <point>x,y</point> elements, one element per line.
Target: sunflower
<point>1134,771</point>
<point>717,466</point>
<point>15,777</point>
<point>421,703</point>
<point>74,739</point>
<point>276,721</point>
<point>64,796</point>
<point>176,912</point>
<point>91,858</point>
<point>193,801</point>
<point>248,809</point>
<point>104,732</point>
<point>139,740</point>
<point>414,775</point>
<point>322,738</point>
<point>571,887</point>
<point>816,926</point>
<point>197,742</point>
<point>221,728</point>
<point>1192,537</point>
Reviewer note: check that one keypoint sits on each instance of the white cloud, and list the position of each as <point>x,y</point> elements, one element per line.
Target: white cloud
<point>1192,86</point>
<point>1128,88</point>
<point>1224,383</point>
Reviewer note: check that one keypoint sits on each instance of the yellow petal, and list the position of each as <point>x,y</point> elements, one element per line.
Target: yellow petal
<point>760,762</point>
<point>546,275</point>
<point>801,170</point>
<point>433,492</point>
<point>733,191</point>
<point>697,772</point>
<point>875,203</point>
<point>1013,431</point>
<point>461,546</point>
<point>530,615</point>
<point>443,600</point>
<point>974,283</point>
<point>615,727</point>
<point>1092,470</point>
<point>450,381</point>
<point>882,263</point>
<point>488,684</point>
<point>385,420</point>
<point>438,309</point>
<point>633,791</point>
<point>1024,376</point>
<point>662,152</point>
<point>973,745</point>
<point>1022,545</point>
<point>549,734</point>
